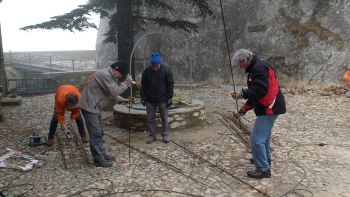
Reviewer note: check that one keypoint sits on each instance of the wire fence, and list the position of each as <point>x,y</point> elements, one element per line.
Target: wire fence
<point>29,73</point>
<point>48,63</point>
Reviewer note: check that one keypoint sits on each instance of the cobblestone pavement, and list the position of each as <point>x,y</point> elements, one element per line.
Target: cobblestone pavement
<point>311,156</point>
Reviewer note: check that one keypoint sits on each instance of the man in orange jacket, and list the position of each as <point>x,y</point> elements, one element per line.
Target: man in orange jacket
<point>66,99</point>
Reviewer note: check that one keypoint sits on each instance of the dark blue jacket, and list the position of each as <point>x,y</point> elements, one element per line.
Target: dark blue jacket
<point>157,86</point>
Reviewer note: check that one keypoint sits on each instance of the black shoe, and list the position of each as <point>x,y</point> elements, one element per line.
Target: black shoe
<point>109,157</point>
<point>165,139</point>
<point>259,174</point>
<point>268,160</point>
<point>49,142</point>
<point>102,163</point>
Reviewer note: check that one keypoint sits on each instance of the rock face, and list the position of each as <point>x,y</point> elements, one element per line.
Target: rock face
<point>306,40</point>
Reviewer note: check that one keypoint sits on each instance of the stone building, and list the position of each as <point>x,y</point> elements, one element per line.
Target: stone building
<point>306,40</point>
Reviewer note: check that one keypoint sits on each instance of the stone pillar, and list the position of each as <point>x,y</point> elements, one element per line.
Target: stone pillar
<point>2,68</point>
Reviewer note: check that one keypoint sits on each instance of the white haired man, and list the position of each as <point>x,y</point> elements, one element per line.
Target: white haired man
<point>265,97</point>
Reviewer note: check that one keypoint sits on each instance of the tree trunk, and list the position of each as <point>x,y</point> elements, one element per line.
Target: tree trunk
<point>125,36</point>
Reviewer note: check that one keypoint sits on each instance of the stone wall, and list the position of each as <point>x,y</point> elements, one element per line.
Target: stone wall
<point>179,118</point>
<point>306,40</point>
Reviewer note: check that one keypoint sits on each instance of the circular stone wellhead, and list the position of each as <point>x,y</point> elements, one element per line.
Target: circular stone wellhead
<point>181,115</point>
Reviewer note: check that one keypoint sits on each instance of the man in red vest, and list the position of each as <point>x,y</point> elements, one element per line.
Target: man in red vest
<point>265,97</point>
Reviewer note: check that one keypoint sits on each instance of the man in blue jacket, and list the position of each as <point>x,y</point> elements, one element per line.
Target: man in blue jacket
<point>157,90</point>
<point>265,97</point>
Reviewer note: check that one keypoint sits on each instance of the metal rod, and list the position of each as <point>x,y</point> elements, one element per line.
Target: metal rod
<point>229,57</point>
<point>133,50</point>
<point>219,168</point>
<point>129,132</point>
<point>159,160</point>
<point>60,148</point>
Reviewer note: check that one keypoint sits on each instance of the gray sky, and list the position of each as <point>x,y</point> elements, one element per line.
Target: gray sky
<point>18,13</point>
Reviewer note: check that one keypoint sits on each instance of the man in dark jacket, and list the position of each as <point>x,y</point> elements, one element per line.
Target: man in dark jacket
<point>157,90</point>
<point>265,97</point>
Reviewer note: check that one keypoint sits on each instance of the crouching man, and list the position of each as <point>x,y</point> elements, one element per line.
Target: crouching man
<point>66,99</point>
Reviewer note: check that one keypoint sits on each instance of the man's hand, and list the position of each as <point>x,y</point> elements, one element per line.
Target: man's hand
<point>70,123</point>
<point>169,103</point>
<point>131,100</point>
<point>63,127</point>
<point>143,102</point>
<point>237,95</point>
<point>242,112</point>
<point>128,80</point>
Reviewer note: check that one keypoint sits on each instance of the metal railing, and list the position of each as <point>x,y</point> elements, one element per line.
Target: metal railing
<point>29,71</point>
<point>52,63</point>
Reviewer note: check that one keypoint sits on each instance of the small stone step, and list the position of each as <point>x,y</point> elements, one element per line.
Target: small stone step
<point>11,101</point>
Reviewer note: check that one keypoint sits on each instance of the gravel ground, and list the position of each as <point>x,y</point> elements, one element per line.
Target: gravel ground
<point>311,156</point>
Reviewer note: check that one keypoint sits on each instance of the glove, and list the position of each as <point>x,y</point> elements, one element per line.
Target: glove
<point>128,80</point>
<point>241,112</point>
<point>237,95</point>
<point>169,103</point>
<point>143,102</point>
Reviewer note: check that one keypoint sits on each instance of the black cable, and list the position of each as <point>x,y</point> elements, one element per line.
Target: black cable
<point>158,190</point>
<point>94,188</point>
<point>295,190</point>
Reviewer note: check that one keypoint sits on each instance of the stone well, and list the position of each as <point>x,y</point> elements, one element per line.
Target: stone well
<point>182,115</point>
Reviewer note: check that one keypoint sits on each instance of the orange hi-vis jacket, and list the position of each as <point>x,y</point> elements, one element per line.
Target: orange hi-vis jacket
<point>62,93</point>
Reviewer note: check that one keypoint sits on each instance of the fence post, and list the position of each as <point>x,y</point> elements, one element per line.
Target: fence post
<point>10,58</point>
<point>73,63</point>
<point>51,64</point>
<point>30,59</point>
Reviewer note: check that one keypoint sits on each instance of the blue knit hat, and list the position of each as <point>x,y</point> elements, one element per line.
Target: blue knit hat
<point>155,58</point>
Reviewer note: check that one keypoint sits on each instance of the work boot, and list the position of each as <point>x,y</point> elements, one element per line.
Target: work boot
<point>268,160</point>
<point>49,142</point>
<point>83,138</point>
<point>259,174</point>
<point>165,139</point>
<point>102,163</point>
<point>109,157</point>
<point>151,140</point>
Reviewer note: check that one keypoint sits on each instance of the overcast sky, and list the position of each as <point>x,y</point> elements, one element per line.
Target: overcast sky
<point>18,13</point>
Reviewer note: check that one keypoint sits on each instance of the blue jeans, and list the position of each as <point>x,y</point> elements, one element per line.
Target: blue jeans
<point>260,141</point>
<point>54,122</point>
<point>93,123</point>
<point>151,109</point>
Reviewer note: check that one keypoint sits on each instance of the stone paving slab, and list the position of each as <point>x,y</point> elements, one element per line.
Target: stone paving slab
<point>313,150</point>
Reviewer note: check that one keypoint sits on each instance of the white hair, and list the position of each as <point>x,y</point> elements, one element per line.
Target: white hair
<point>242,55</point>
